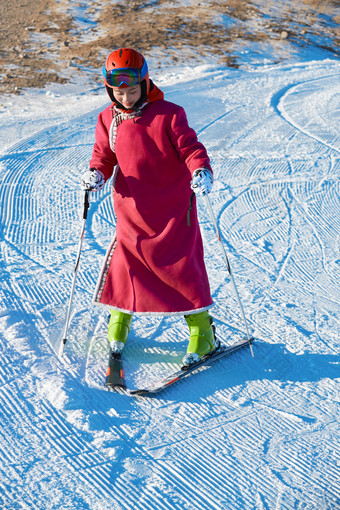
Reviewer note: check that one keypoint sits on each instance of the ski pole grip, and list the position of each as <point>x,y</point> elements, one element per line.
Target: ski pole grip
<point>86,204</point>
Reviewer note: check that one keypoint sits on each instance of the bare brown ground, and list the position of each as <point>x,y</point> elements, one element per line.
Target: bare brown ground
<point>42,41</point>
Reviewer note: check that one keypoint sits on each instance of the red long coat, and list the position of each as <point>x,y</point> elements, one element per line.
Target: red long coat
<point>155,263</point>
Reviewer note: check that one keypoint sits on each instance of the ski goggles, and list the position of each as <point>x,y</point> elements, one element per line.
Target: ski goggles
<point>129,76</point>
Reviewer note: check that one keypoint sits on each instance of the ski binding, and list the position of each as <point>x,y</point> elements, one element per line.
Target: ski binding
<point>115,374</point>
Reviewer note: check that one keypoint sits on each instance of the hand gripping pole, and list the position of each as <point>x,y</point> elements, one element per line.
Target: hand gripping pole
<point>68,314</point>
<point>218,234</point>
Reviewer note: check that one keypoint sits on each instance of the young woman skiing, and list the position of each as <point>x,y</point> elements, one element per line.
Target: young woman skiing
<point>155,263</point>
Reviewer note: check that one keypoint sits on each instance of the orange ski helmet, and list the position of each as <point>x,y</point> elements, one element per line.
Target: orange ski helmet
<point>126,67</point>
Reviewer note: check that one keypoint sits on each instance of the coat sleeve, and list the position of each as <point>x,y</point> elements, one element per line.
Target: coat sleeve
<point>184,139</point>
<point>102,156</point>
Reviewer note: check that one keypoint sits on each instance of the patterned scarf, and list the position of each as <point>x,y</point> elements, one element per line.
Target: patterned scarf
<point>118,118</point>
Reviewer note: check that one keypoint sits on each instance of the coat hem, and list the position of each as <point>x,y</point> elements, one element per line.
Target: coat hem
<point>154,314</point>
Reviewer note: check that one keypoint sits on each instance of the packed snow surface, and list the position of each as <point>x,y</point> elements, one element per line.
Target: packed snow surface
<point>248,433</point>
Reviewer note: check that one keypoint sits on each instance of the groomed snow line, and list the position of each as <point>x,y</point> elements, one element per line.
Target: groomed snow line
<point>248,433</point>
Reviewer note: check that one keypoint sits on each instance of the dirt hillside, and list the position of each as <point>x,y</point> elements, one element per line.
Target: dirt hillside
<point>47,40</point>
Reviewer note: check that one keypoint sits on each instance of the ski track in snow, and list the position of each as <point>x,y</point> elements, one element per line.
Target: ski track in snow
<point>246,433</point>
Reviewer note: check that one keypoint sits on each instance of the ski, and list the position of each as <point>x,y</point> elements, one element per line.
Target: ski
<point>115,373</point>
<point>224,350</point>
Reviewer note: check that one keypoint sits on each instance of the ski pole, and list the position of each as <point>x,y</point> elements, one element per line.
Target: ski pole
<point>68,314</point>
<point>217,230</point>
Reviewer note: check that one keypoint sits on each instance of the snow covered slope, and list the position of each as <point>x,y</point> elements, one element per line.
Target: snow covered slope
<point>246,434</point>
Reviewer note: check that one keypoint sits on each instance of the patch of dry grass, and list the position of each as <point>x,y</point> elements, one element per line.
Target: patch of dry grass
<point>40,40</point>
